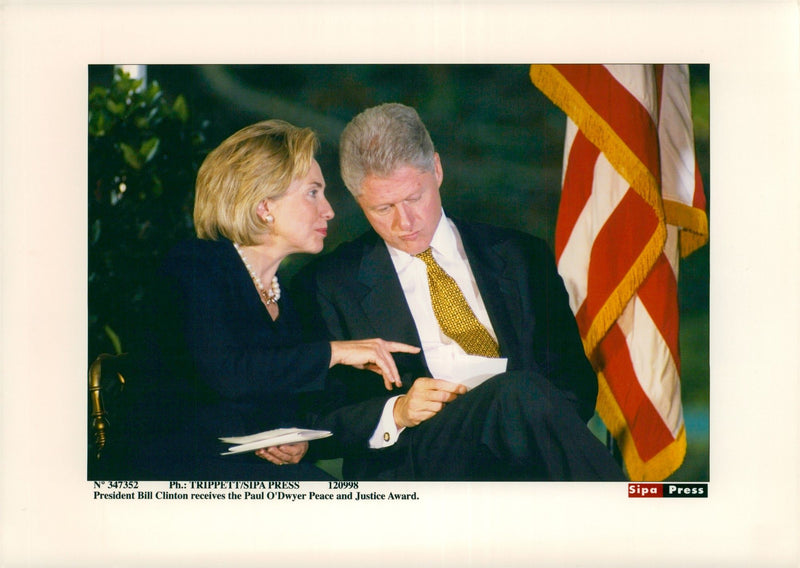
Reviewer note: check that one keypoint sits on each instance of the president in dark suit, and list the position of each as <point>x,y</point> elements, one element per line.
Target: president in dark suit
<point>501,389</point>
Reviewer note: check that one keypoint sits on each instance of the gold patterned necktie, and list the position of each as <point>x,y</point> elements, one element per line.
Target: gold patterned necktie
<point>456,318</point>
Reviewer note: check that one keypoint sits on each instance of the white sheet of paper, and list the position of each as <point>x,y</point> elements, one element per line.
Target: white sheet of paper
<point>469,370</point>
<point>272,438</point>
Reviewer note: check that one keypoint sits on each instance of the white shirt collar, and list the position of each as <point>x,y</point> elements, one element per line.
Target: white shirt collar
<point>443,243</point>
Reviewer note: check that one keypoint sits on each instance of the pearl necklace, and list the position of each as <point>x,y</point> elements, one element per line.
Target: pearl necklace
<point>270,296</point>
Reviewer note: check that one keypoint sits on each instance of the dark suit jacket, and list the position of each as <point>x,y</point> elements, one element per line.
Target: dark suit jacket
<point>213,363</point>
<point>356,294</point>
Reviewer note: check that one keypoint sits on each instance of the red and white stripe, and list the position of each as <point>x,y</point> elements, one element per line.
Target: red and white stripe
<point>629,149</point>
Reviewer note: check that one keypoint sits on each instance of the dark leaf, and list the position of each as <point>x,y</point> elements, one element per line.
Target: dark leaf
<point>98,92</point>
<point>117,109</point>
<point>130,156</point>
<point>181,109</point>
<point>149,148</point>
<point>97,123</point>
<point>95,232</point>
<point>158,186</point>
<point>153,93</point>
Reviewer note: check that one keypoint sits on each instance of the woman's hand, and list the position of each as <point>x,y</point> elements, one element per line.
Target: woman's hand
<point>284,454</point>
<point>372,354</point>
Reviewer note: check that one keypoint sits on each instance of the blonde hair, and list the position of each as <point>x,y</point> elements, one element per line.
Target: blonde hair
<point>258,162</point>
<point>381,139</point>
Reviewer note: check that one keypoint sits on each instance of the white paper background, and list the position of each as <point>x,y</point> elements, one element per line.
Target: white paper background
<point>751,517</point>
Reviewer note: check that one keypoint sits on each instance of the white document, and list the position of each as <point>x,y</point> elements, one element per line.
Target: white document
<point>272,438</point>
<point>469,370</point>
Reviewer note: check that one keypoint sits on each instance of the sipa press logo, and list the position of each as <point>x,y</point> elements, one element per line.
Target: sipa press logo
<point>668,490</point>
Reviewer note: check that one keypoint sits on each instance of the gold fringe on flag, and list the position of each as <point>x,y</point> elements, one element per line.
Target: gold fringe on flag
<point>693,224</point>
<point>657,468</point>
<point>556,87</point>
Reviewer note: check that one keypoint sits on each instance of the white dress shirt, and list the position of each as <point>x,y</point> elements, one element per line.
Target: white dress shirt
<point>445,358</point>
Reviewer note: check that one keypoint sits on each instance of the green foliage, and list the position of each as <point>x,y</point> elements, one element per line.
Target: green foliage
<point>143,158</point>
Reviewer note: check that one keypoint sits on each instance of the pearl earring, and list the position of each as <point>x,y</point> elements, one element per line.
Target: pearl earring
<point>269,218</point>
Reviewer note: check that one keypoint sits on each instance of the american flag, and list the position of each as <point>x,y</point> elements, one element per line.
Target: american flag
<point>632,204</point>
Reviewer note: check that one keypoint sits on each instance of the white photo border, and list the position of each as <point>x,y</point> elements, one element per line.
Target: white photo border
<point>751,515</point>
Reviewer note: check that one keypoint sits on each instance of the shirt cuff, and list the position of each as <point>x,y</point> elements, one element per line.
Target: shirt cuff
<point>386,433</point>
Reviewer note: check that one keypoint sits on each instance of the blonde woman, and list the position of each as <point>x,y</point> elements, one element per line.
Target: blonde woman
<point>227,356</point>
